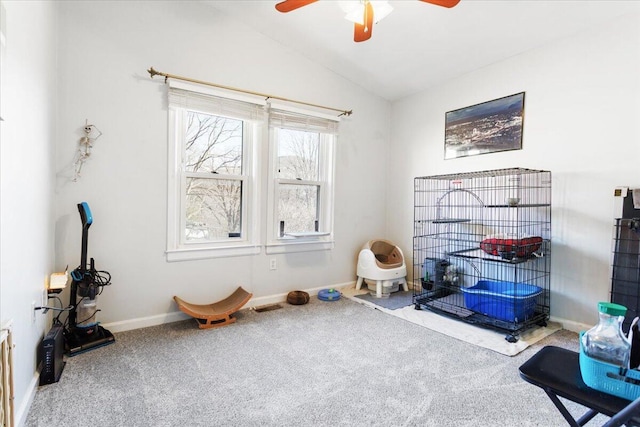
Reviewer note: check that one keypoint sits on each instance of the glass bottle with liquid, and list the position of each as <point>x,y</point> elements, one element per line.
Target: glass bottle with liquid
<point>606,341</point>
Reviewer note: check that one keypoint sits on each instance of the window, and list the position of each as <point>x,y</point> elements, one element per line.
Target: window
<point>223,184</point>
<point>298,182</point>
<point>301,202</point>
<point>212,196</point>
<point>214,179</point>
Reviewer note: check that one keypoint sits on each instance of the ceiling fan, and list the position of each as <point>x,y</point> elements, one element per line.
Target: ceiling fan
<point>363,27</point>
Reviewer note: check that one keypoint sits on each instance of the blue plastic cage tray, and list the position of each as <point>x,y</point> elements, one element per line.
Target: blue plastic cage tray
<point>508,301</point>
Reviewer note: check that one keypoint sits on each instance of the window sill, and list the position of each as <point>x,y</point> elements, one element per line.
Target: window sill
<point>308,234</point>
<point>188,254</point>
<point>296,245</point>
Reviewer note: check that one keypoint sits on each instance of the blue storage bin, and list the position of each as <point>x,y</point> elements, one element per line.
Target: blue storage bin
<point>608,378</point>
<point>512,302</point>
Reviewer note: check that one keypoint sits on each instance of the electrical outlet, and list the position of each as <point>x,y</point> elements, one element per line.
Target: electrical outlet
<point>272,264</point>
<point>33,312</point>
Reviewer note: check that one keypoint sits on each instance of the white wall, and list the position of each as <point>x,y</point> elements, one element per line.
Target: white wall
<point>104,50</point>
<point>582,100</point>
<point>27,94</point>
<point>582,105</point>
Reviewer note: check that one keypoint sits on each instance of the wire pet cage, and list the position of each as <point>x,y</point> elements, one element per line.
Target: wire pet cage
<point>482,246</point>
<point>625,271</point>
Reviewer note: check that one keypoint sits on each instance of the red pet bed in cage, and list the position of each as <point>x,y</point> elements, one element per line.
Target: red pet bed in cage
<point>511,247</point>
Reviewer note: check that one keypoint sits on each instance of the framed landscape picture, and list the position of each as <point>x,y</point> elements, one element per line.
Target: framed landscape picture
<point>484,128</point>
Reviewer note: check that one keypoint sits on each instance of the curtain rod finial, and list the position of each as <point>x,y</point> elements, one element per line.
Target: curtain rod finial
<point>152,72</point>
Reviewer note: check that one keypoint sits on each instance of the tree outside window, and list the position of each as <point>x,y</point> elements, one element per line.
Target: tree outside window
<point>213,163</point>
<point>219,203</point>
<point>298,173</point>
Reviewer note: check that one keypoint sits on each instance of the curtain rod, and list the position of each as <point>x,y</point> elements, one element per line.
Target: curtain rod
<point>166,76</point>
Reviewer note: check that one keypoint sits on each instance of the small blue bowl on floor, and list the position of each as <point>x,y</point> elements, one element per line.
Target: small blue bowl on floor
<point>329,295</point>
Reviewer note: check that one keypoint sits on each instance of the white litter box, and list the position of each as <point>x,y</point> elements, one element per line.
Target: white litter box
<point>388,286</point>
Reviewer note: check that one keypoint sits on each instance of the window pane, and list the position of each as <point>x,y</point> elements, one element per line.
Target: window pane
<point>213,209</point>
<point>298,207</point>
<point>213,144</point>
<point>298,154</point>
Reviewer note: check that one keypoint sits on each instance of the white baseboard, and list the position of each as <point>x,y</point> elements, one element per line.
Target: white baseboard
<point>278,298</point>
<point>20,414</point>
<point>145,322</point>
<point>570,325</point>
<point>175,316</point>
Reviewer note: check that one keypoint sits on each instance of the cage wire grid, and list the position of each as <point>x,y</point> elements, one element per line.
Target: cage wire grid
<point>482,246</point>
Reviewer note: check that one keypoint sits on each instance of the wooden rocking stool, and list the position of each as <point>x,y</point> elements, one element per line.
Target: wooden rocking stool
<point>216,314</point>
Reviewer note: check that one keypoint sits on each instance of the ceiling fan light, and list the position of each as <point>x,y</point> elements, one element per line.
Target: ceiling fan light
<point>355,10</point>
<point>381,9</point>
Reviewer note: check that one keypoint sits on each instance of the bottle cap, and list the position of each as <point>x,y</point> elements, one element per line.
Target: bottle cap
<point>612,309</point>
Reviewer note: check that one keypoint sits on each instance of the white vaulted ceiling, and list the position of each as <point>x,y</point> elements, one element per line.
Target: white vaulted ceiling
<point>420,45</point>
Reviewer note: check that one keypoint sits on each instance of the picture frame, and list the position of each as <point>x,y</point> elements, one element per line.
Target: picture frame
<point>483,128</point>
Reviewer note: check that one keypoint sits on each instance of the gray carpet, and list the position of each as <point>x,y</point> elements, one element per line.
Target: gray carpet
<point>321,364</point>
<point>394,301</point>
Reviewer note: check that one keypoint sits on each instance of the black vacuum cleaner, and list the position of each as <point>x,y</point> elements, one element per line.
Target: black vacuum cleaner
<point>83,332</point>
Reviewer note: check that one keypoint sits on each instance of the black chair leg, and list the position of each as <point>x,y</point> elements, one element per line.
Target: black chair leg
<point>588,416</point>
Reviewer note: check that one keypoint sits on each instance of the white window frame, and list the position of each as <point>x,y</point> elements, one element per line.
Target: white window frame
<point>192,97</point>
<point>284,116</point>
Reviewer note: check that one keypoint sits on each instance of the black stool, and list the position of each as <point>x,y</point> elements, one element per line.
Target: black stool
<point>557,371</point>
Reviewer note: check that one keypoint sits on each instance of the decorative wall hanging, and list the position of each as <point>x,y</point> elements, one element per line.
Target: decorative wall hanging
<point>484,128</point>
<point>91,134</point>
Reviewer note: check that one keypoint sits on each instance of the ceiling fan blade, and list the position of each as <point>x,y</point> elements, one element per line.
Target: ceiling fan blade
<point>443,3</point>
<point>363,32</point>
<point>289,5</point>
